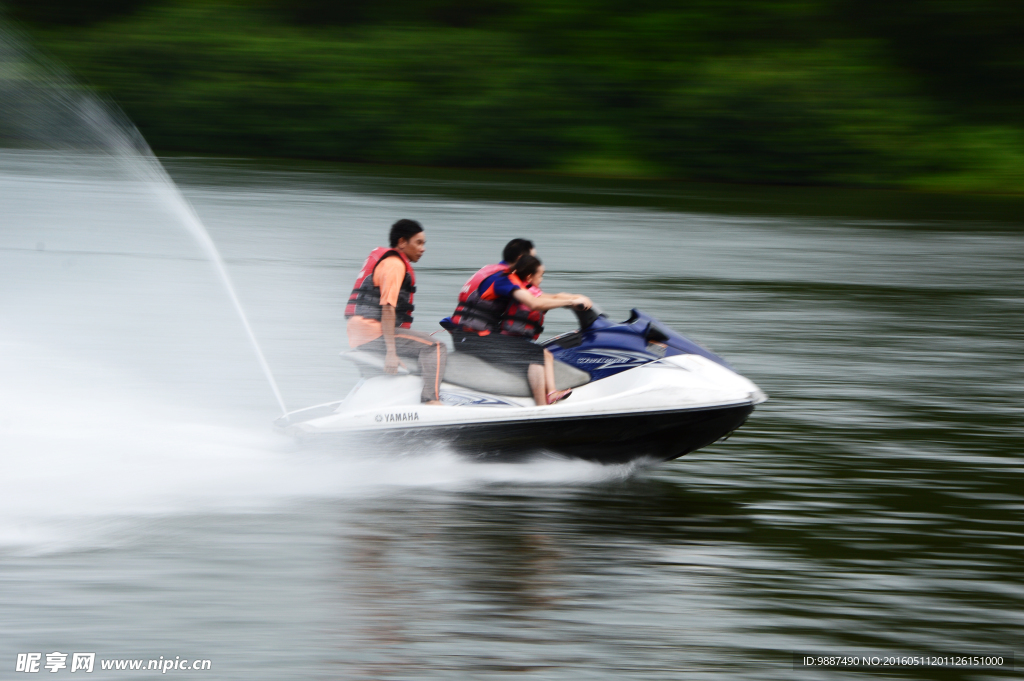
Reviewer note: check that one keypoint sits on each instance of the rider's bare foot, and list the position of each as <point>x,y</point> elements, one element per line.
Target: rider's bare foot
<point>558,395</point>
<point>436,403</point>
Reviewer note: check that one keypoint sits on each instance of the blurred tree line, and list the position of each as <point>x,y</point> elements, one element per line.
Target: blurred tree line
<point>917,93</point>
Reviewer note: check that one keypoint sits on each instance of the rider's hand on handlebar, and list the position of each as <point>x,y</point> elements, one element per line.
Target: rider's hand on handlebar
<point>582,301</point>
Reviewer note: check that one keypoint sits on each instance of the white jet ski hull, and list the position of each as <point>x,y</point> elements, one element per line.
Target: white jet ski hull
<point>660,410</point>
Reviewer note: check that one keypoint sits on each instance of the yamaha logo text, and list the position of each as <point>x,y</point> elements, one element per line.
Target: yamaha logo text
<point>395,418</point>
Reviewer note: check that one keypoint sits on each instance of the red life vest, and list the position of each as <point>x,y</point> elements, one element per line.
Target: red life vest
<point>365,297</point>
<point>520,320</point>
<point>481,274</point>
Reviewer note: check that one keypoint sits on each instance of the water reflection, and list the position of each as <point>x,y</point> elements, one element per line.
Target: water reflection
<point>518,580</point>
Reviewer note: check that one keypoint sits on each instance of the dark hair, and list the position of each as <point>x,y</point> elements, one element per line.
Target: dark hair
<point>404,229</point>
<point>525,266</point>
<point>516,249</point>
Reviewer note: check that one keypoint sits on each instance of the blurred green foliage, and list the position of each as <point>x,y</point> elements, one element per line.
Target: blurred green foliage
<point>921,93</point>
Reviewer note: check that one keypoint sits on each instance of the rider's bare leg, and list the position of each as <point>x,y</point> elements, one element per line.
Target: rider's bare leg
<point>549,373</point>
<point>535,375</point>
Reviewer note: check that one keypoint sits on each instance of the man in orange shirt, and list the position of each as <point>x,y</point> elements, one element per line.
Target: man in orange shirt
<point>379,309</point>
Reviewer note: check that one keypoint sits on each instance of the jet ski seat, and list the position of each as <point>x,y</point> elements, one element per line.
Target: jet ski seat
<point>469,371</point>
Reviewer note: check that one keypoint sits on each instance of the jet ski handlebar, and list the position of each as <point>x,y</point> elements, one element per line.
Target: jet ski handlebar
<point>586,316</point>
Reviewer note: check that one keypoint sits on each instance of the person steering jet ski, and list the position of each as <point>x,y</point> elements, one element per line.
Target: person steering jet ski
<point>524,322</point>
<point>380,307</point>
<point>513,250</point>
<point>477,322</point>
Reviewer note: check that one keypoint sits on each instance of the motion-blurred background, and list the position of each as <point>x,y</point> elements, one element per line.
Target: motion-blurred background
<point>916,94</point>
<point>873,505</point>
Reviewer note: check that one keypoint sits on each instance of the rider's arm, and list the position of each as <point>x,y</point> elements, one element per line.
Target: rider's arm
<point>388,276</point>
<point>387,328</point>
<point>545,302</point>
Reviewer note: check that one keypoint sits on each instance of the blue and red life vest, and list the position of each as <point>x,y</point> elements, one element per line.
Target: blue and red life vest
<point>474,313</point>
<point>365,297</point>
<point>481,314</point>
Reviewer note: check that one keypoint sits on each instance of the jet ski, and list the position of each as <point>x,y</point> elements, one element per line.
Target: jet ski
<point>639,391</point>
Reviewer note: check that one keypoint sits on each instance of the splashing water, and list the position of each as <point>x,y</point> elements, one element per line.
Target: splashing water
<point>43,108</point>
<point>107,361</point>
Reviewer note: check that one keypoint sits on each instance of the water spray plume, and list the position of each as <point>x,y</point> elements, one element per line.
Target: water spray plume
<point>43,108</point>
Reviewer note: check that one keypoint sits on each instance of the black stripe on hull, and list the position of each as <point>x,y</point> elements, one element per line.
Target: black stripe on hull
<point>621,438</point>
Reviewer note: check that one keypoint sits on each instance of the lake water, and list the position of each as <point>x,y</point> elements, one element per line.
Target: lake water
<point>148,508</point>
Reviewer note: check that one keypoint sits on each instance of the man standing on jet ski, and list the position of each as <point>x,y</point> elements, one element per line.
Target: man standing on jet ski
<point>476,324</point>
<point>380,307</point>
